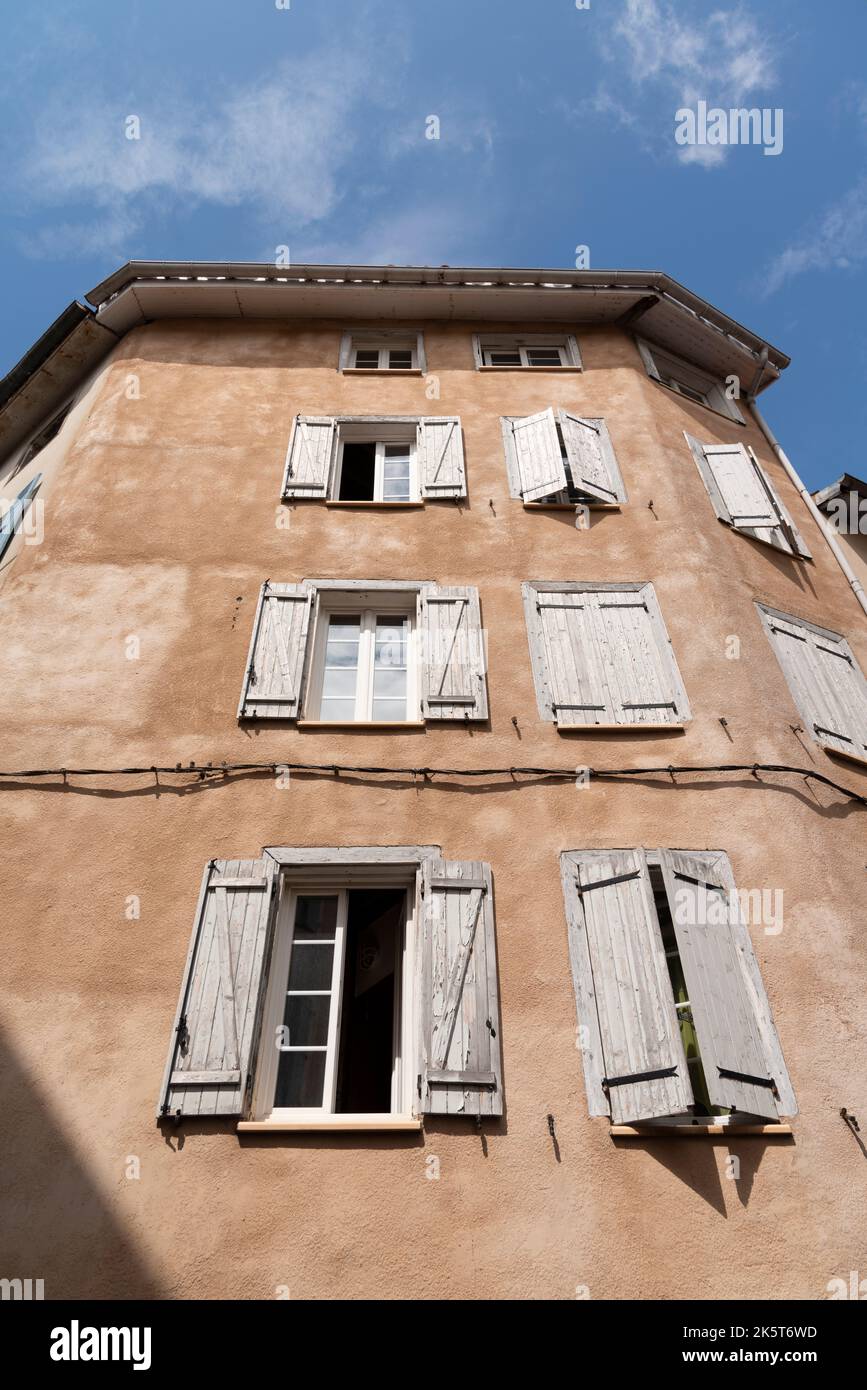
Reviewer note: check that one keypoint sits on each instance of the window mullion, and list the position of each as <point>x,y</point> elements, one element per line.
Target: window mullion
<point>366,647</point>
<point>329,1097</point>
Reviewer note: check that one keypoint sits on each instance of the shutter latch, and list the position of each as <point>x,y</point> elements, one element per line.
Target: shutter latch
<point>490,1027</point>
<point>183,1033</point>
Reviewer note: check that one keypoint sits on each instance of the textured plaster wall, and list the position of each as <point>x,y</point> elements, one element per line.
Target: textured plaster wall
<point>161,523</point>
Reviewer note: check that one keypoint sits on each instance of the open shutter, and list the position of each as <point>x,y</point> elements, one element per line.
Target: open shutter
<point>634,1063</point>
<point>308,462</point>
<point>216,1026</point>
<point>744,497</point>
<point>826,682</point>
<point>537,457</point>
<point>275,666</point>
<point>591,458</point>
<point>452,654</point>
<point>441,457</point>
<point>740,1051</point>
<point>647,358</point>
<point>13,516</point>
<point>460,1067</point>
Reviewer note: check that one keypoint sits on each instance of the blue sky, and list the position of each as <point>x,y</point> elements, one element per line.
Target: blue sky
<point>304,125</point>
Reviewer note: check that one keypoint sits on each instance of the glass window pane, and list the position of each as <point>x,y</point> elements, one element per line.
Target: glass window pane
<point>344,627</point>
<point>341,654</point>
<point>339,683</point>
<point>544,357</point>
<point>311,965</point>
<point>392,710</point>
<point>396,467</point>
<point>300,1080</point>
<point>343,711</point>
<point>395,490</point>
<point>315,918</point>
<point>389,683</point>
<point>390,646</point>
<point>367,357</point>
<point>306,1019</point>
<point>504,359</point>
<point>400,358</point>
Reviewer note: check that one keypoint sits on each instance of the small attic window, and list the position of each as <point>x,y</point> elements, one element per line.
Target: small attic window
<point>39,441</point>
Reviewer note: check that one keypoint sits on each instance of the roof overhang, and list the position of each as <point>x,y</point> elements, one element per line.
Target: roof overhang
<point>140,292</point>
<point>847,483</point>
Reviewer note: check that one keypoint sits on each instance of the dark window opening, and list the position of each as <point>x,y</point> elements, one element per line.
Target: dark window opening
<point>571,493</point>
<point>400,359</point>
<point>39,441</point>
<point>374,934</point>
<point>358,471</point>
<point>367,358</point>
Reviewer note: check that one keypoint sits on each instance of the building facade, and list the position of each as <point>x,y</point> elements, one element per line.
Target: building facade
<point>434,738</point>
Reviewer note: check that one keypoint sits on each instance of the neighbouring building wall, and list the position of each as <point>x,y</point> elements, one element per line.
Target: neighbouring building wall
<point>162,525</point>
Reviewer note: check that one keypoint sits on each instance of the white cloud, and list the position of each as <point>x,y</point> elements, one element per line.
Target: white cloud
<point>836,240</point>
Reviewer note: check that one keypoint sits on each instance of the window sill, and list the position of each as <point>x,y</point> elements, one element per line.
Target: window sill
<point>382,371</point>
<point>688,1131</point>
<point>385,506</point>
<point>858,758</point>
<point>569,368</point>
<point>621,728</point>
<point>572,506</point>
<point>360,724</point>
<point>346,1123</point>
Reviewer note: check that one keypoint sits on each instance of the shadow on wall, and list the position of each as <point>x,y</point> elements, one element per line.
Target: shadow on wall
<point>55,1223</point>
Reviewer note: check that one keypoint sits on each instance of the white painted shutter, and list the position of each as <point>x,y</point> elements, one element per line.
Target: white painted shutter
<point>607,659</point>
<point>345,352</point>
<point>460,1068</point>
<point>308,462</point>
<point>744,497</point>
<point>216,1026</point>
<point>452,657</point>
<point>441,457</point>
<point>740,1051</point>
<point>591,457</point>
<point>647,358</point>
<point>826,682</point>
<point>278,648</point>
<point>14,513</point>
<point>634,1063</point>
<point>538,461</point>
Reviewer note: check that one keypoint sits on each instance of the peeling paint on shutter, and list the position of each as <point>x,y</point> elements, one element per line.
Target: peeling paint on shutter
<point>591,457</point>
<point>216,1026</point>
<point>452,656</point>
<point>441,457</point>
<point>634,1063</point>
<point>826,682</point>
<point>537,459</point>
<point>460,1066</point>
<point>744,497</point>
<point>308,461</point>
<point>275,667</point>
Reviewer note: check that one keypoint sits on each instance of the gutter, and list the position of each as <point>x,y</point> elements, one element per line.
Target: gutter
<point>827,531</point>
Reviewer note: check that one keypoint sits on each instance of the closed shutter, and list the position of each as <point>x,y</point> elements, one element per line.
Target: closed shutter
<point>308,462</point>
<point>452,656</point>
<point>538,461</point>
<point>278,648</point>
<point>603,657</point>
<point>744,497</point>
<point>591,458</point>
<point>441,457</point>
<point>634,1063</point>
<point>14,514</point>
<point>826,682</point>
<point>460,1068</point>
<point>740,1051</point>
<point>216,1026</point>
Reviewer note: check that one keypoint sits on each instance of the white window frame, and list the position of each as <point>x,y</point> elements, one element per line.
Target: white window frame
<point>667,368</point>
<point>380,434</point>
<point>564,343</point>
<point>383,343</point>
<point>403,1047</point>
<point>403,605</point>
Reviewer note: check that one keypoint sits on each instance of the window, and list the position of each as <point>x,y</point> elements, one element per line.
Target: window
<point>602,658</point>
<point>561,460</point>
<point>687,380</point>
<point>825,680</point>
<point>744,497</point>
<point>379,351</point>
<point>39,441</point>
<point>328,988</point>
<point>12,513</point>
<point>673,1011</point>
<point>332,651</point>
<point>552,351</point>
<point>375,460</point>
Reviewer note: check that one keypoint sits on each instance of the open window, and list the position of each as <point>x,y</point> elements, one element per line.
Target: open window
<point>379,350</point>
<point>675,1022</point>
<point>534,351</point>
<point>602,658</point>
<point>744,497</point>
<point>686,380</point>
<point>330,988</point>
<point>38,441</point>
<point>375,460</point>
<point>561,459</point>
<point>378,653</point>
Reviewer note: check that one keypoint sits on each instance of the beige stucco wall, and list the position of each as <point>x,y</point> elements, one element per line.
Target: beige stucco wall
<point>162,523</point>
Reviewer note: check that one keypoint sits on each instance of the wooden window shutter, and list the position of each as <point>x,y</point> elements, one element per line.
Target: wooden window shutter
<point>345,352</point>
<point>215,1035</point>
<point>460,1068</point>
<point>591,457</point>
<point>274,676</point>
<point>740,1050</point>
<point>634,1063</point>
<point>478,355</point>
<point>537,457</point>
<point>647,358</point>
<point>308,461</point>
<point>14,514</point>
<point>744,497</point>
<point>441,457</point>
<point>452,657</point>
<point>826,682</point>
<point>573,351</point>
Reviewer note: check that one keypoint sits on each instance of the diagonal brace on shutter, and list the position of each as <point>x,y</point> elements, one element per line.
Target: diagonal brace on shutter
<point>443,452</point>
<point>458,975</point>
<point>439,698</point>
